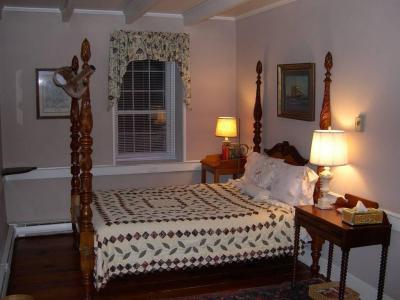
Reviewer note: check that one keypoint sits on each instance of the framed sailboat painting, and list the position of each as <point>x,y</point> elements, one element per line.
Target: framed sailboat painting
<point>296,91</point>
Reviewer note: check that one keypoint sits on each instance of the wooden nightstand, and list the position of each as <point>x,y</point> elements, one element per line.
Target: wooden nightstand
<point>214,164</point>
<point>328,225</point>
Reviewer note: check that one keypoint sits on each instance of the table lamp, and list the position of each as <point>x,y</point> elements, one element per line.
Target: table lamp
<point>226,128</point>
<point>328,149</point>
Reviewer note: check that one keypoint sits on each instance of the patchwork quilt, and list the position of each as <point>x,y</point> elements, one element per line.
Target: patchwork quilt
<point>176,227</point>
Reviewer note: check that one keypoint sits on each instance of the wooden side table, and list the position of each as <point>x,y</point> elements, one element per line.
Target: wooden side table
<point>214,164</point>
<point>328,225</point>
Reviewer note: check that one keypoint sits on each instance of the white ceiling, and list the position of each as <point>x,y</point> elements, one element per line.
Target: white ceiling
<point>199,10</point>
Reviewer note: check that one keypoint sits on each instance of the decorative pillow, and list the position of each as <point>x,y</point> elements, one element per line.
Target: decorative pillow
<point>294,185</point>
<point>260,169</point>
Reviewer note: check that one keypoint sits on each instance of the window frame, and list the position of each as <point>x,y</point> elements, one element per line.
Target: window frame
<point>170,105</point>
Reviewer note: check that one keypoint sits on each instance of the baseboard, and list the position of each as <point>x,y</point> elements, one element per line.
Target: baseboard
<point>367,291</point>
<point>23,230</point>
<point>5,266</point>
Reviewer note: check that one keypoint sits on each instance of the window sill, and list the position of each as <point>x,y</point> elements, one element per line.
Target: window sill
<point>145,162</point>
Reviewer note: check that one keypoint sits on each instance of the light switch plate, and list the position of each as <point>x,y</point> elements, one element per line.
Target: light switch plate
<point>359,123</point>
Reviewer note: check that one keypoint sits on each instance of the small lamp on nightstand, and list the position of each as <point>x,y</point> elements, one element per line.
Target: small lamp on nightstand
<point>328,149</point>
<point>226,128</point>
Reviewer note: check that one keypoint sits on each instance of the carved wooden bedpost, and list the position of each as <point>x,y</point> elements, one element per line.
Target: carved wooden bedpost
<point>324,123</point>
<point>257,111</point>
<point>325,117</point>
<point>86,226</point>
<point>75,168</point>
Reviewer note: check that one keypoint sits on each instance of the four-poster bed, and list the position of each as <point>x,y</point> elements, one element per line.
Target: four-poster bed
<point>108,210</point>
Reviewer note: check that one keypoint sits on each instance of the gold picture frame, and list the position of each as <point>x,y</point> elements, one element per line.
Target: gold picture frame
<point>296,91</point>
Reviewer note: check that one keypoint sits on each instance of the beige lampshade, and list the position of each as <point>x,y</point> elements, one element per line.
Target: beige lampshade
<point>226,127</point>
<point>329,148</point>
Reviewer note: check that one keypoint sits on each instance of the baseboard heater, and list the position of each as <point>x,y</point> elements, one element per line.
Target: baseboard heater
<point>25,230</point>
<point>5,263</point>
<point>35,229</point>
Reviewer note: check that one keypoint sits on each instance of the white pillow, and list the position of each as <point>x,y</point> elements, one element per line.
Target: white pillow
<point>261,169</point>
<point>294,185</point>
<point>255,191</point>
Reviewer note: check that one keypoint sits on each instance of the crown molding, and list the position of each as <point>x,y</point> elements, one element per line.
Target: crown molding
<point>103,12</point>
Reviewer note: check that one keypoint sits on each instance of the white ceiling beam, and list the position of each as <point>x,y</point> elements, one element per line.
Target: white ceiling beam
<point>66,9</point>
<point>134,9</point>
<point>208,9</point>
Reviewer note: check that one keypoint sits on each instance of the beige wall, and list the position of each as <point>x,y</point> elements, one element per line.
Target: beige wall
<point>41,40</point>
<point>361,35</point>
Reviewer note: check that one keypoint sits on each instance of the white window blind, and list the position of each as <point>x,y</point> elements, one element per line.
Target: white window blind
<point>146,112</point>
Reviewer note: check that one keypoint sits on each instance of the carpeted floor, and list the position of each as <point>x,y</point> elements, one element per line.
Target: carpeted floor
<point>280,292</point>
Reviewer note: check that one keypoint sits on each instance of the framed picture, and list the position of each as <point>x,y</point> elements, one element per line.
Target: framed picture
<point>296,91</point>
<point>51,101</point>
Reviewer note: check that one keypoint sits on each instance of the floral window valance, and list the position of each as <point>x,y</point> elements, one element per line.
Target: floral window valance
<point>126,46</point>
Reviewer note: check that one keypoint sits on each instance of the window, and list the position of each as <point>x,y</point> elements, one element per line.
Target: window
<point>146,112</point>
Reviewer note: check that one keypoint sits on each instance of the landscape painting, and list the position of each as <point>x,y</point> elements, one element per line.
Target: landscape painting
<point>51,101</point>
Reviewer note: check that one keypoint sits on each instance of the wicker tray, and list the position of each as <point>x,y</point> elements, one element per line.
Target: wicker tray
<point>330,291</point>
<point>372,216</point>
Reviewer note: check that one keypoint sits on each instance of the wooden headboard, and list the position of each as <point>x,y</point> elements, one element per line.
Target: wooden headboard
<point>287,152</point>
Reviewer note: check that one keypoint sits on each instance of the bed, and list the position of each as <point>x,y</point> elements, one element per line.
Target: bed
<point>144,230</point>
<point>134,231</point>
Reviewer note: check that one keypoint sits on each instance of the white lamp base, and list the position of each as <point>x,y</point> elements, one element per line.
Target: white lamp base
<point>324,202</point>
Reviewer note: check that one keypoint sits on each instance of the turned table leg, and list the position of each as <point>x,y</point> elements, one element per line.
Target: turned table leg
<point>343,272</point>
<point>316,247</point>
<point>330,257</point>
<point>295,251</point>
<point>382,271</point>
<point>216,176</point>
<point>203,175</point>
